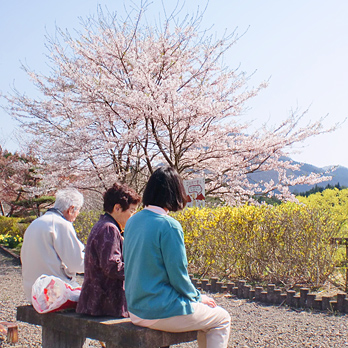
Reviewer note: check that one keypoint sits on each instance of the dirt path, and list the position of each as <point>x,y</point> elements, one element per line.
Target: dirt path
<point>253,325</point>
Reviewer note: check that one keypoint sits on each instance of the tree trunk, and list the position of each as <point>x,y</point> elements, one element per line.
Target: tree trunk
<point>2,209</point>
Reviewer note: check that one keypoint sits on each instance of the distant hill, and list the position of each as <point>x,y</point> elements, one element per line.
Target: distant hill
<point>339,175</point>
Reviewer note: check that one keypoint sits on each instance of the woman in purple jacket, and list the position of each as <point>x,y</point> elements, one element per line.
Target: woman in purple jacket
<point>103,287</point>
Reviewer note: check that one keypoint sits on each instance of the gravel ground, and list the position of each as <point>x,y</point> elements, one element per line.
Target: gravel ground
<point>253,324</point>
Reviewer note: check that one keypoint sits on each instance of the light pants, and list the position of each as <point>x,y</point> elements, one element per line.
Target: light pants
<point>213,325</point>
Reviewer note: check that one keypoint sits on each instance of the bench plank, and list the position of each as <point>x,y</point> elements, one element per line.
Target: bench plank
<point>115,332</point>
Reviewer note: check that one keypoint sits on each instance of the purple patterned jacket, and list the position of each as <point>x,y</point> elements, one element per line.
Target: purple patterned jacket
<point>103,286</point>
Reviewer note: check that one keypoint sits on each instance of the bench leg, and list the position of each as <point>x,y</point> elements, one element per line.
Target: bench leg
<point>56,339</point>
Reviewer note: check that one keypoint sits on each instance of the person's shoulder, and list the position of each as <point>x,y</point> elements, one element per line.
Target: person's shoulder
<point>59,221</point>
<point>146,215</point>
<point>44,218</point>
<point>172,222</point>
<point>107,225</point>
<point>142,214</point>
<point>37,220</point>
<point>104,222</point>
<point>35,223</point>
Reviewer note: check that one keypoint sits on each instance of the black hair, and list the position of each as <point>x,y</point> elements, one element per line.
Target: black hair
<point>120,194</point>
<point>165,189</point>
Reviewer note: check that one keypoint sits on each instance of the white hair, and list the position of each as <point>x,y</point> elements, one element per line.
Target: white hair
<point>68,197</point>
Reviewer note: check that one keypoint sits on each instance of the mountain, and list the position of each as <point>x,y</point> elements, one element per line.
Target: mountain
<point>339,175</point>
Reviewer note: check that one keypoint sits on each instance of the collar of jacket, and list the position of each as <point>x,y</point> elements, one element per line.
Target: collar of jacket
<point>55,210</point>
<point>115,222</point>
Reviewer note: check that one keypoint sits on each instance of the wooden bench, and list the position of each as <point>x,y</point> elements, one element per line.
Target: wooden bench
<point>69,329</point>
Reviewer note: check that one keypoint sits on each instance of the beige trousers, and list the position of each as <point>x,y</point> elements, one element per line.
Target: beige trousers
<point>213,325</point>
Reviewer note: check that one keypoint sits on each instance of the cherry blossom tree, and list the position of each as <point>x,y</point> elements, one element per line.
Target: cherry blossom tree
<point>123,97</point>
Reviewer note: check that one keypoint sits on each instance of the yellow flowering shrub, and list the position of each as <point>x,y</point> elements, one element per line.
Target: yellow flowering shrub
<point>288,243</point>
<point>331,200</point>
<point>84,223</point>
<point>10,241</point>
<point>334,202</point>
<point>12,226</point>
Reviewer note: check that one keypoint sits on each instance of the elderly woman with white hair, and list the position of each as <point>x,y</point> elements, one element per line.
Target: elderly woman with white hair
<point>50,245</point>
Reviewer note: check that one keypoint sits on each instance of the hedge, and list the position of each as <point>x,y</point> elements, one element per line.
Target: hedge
<point>288,243</point>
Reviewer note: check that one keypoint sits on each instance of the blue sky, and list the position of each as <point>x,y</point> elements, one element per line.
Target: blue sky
<point>301,46</point>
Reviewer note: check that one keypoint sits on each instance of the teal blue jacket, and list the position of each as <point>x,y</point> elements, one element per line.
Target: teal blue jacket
<point>156,278</point>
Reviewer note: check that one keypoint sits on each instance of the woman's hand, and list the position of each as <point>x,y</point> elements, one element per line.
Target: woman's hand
<point>208,301</point>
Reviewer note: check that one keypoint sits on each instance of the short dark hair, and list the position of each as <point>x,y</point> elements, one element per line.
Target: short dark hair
<point>120,194</point>
<point>165,189</point>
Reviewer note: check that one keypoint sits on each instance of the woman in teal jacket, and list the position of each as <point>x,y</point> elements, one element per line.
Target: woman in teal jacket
<point>159,292</point>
